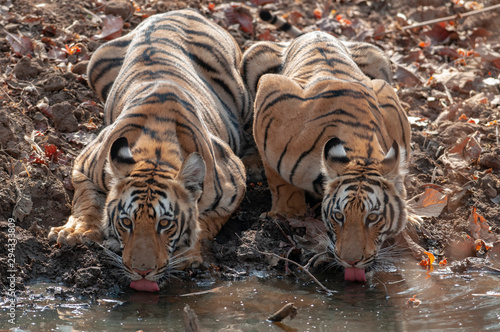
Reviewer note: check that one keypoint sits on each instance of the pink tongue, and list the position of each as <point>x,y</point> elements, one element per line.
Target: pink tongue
<point>145,285</point>
<point>354,274</point>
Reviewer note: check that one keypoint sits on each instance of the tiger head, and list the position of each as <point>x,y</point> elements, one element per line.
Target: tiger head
<point>363,205</point>
<point>152,212</point>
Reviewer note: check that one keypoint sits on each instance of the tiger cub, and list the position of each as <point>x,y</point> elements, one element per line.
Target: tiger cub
<point>164,173</point>
<point>323,126</point>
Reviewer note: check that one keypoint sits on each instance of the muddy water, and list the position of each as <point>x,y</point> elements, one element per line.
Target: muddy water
<point>465,301</point>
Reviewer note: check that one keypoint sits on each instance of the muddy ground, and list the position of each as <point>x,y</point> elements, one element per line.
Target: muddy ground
<point>447,77</point>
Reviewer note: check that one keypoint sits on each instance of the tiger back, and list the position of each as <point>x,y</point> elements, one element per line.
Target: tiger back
<point>164,173</point>
<point>323,126</point>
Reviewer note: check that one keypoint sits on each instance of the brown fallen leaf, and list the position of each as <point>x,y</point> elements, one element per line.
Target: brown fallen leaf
<point>413,302</point>
<point>111,28</point>
<point>21,45</point>
<point>407,77</point>
<point>462,154</point>
<point>479,227</point>
<point>454,79</point>
<point>428,204</point>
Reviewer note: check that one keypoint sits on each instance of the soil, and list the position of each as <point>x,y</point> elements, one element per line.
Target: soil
<point>446,75</point>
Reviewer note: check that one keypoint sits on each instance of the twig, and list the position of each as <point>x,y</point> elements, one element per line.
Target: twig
<point>385,287</point>
<point>434,174</point>
<point>191,322</point>
<point>496,131</point>
<point>288,309</point>
<point>208,291</point>
<point>449,18</point>
<point>283,232</point>
<point>448,94</point>
<point>313,258</point>
<point>329,291</point>
<point>5,93</point>
<point>99,20</point>
<point>442,19</point>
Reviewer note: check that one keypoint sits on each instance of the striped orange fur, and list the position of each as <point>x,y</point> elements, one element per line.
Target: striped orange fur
<point>165,172</point>
<point>323,126</point>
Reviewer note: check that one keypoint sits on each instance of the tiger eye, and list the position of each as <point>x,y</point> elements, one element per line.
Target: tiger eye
<point>339,216</point>
<point>372,217</point>
<point>164,222</point>
<point>126,222</point>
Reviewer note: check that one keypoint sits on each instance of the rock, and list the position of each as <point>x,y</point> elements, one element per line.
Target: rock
<point>40,121</point>
<point>80,68</point>
<point>64,119</point>
<point>23,207</point>
<point>119,8</point>
<point>87,276</point>
<point>25,68</point>
<point>55,83</point>
<point>490,160</point>
<point>6,134</point>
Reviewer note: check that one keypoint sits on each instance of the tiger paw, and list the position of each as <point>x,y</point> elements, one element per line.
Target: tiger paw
<point>76,231</point>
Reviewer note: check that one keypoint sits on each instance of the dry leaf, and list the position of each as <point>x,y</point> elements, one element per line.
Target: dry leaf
<point>438,32</point>
<point>429,204</point>
<point>244,20</point>
<point>20,44</point>
<point>468,148</point>
<point>443,262</point>
<point>462,154</point>
<point>479,228</point>
<point>111,28</point>
<point>266,35</point>
<point>486,53</point>
<point>408,78</point>
<point>453,78</point>
<point>427,261</point>
<point>413,302</point>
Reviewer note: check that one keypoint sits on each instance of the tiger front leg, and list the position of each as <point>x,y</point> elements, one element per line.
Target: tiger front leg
<point>288,200</point>
<point>84,224</point>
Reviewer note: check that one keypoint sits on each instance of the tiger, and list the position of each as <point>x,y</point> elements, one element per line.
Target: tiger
<point>372,61</point>
<point>164,174</point>
<point>322,126</point>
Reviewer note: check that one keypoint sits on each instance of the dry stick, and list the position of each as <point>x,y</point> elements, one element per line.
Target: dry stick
<point>329,291</point>
<point>437,20</point>
<point>449,18</point>
<point>95,16</point>
<point>496,131</point>
<point>7,94</point>
<point>288,310</point>
<point>313,258</point>
<point>213,290</point>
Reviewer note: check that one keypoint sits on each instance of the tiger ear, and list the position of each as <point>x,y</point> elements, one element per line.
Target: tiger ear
<point>390,164</point>
<point>192,174</point>
<point>335,158</point>
<point>120,156</point>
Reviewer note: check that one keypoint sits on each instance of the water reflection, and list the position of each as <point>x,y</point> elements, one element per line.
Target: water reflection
<point>448,302</point>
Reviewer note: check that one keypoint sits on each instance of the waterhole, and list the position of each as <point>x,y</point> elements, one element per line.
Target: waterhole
<point>465,301</point>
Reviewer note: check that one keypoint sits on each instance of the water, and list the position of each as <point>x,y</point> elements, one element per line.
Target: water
<point>449,301</point>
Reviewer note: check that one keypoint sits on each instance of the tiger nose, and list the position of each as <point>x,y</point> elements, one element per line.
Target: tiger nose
<point>352,263</point>
<point>143,272</point>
